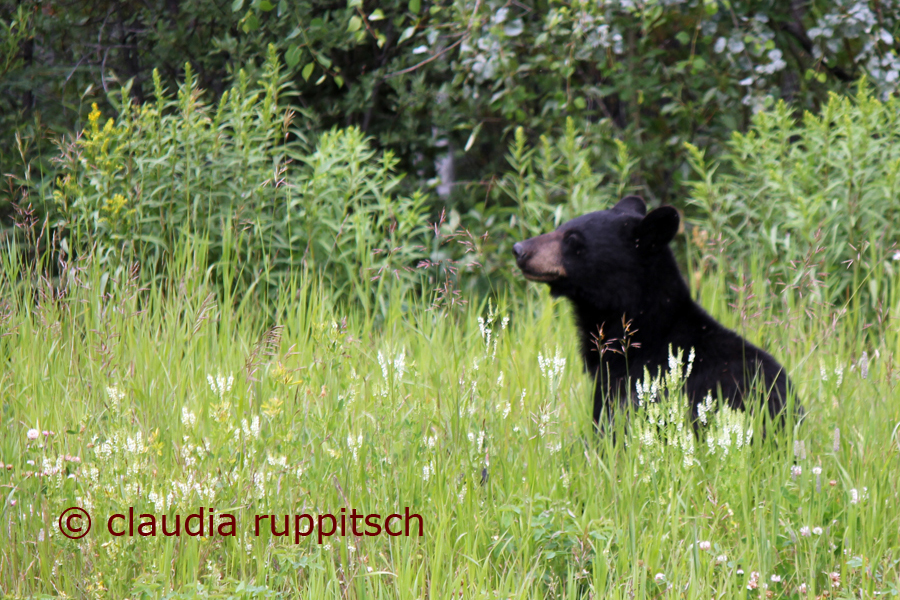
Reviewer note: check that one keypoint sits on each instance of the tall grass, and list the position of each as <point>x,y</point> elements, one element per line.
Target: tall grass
<point>221,331</point>
<point>171,396</point>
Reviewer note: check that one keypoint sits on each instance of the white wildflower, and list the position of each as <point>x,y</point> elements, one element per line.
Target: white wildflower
<point>552,369</point>
<point>115,395</point>
<point>753,582</point>
<point>354,445</point>
<point>277,461</point>
<point>135,445</point>
<point>188,418</point>
<point>220,385</point>
<point>704,408</point>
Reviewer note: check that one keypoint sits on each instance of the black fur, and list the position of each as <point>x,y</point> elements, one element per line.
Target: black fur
<point>620,272</point>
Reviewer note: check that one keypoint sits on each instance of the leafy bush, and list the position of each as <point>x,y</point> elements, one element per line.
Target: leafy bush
<point>815,199</point>
<point>548,183</point>
<point>239,176</point>
<point>431,80</point>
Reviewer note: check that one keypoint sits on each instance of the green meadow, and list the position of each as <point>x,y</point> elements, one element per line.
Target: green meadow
<point>168,397</point>
<point>261,364</point>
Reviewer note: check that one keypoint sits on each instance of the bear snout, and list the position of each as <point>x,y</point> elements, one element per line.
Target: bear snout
<point>540,258</point>
<point>518,251</point>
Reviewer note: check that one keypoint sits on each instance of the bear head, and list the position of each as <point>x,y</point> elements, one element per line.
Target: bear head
<point>606,259</point>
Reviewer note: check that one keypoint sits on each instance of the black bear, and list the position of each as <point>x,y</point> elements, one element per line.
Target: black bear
<point>631,304</point>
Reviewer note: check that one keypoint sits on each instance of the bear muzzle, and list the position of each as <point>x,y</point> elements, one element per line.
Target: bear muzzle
<point>540,258</point>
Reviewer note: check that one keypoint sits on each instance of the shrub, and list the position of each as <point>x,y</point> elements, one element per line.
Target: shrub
<point>815,199</point>
<point>559,177</point>
<point>242,178</point>
<point>431,79</point>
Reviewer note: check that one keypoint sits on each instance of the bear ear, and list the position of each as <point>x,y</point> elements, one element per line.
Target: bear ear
<point>657,229</point>
<point>632,204</point>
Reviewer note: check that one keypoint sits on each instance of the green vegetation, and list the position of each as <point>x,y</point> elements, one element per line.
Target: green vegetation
<point>133,186</point>
<point>429,80</point>
<point>230,279</point>
<point>167,397</point>
<point>809,197</point>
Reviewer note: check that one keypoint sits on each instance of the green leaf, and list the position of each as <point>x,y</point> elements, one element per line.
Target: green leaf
<point>514,28</point>
<point>237,5</point>
<point>339,81</point>
<point>415,6</point>
<point>292,56</point>
<point>407,33</point>
<point>377,15</point>
<point>579,102</point>
<point>683,37</point>
<point>266,6</point>
<point>671,107</point>
<point>251,22</point>
<point>472,137</point>
<point>307,71</point>
<point>323,60</point>
<point>320,79</point>
<point>354,24</point>
<point>354,4</point>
